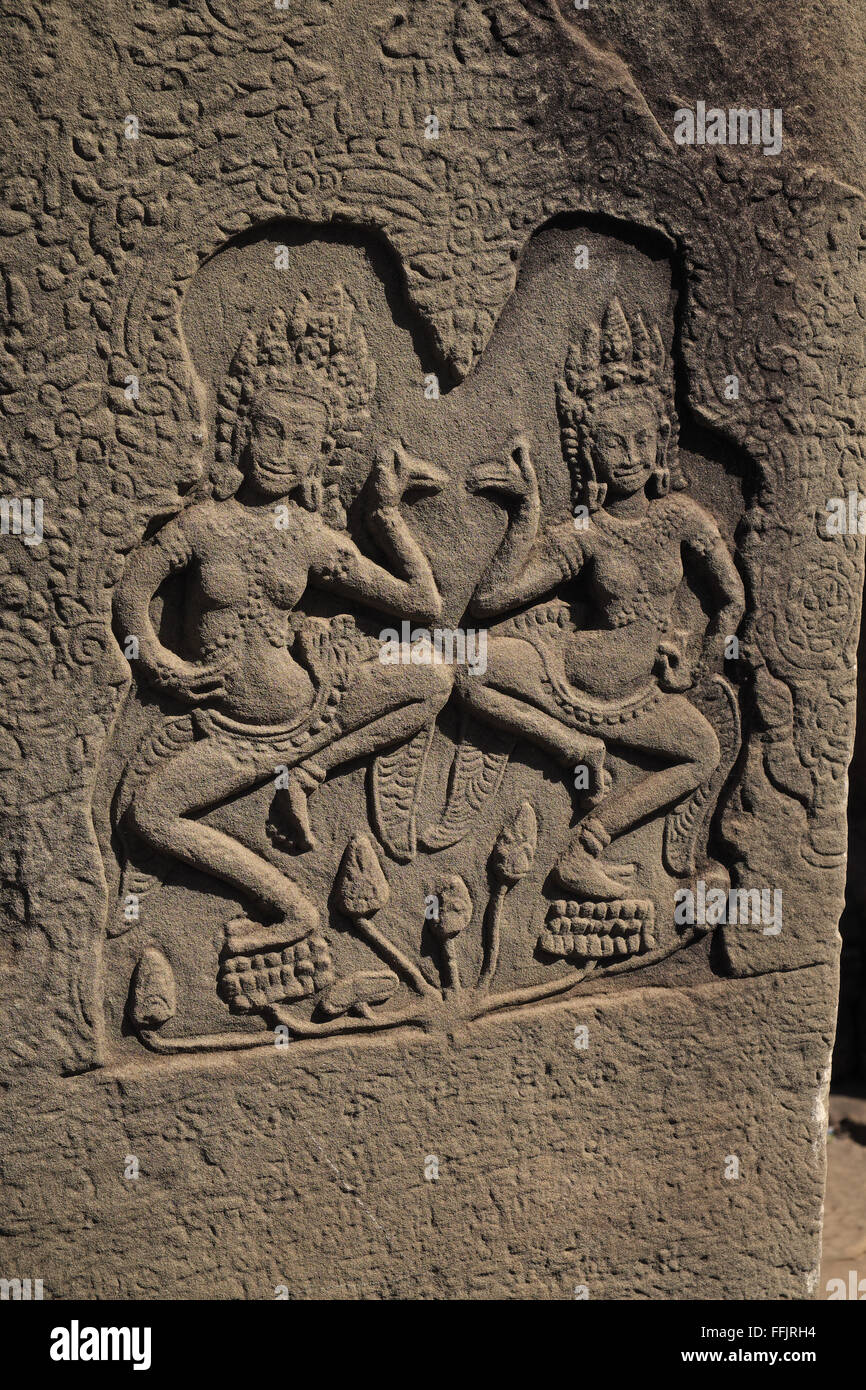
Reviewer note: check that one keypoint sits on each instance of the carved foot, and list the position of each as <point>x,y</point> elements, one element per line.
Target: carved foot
<point>580,872</point>
<point>260,970</point>
<point>612,930</point>
<point>289,824</point>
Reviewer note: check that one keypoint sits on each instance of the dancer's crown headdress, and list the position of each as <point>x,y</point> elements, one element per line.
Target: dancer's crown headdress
<point>613,356</point>
<point>317,350</point>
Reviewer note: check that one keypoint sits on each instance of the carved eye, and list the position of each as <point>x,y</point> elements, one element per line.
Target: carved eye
<point>270,428</point>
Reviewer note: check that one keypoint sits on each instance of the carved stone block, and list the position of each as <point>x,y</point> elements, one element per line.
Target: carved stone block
<point>428,650</point>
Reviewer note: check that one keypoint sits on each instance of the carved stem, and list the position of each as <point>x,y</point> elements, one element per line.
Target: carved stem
<point>304,1029</point>
<point>393,955</point>
<point>452,969</point>
<point>533,992</point>
<point>300,1028</point>
<point>492,935</point>
<point>207,1042</point>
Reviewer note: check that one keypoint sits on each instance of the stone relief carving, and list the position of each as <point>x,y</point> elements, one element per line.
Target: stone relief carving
<point>583,658</point>
<point>613,680</point>
<point>264,127</point>
<point>265,692</point>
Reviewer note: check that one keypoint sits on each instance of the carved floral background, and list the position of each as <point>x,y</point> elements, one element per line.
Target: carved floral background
<point>242,120</point>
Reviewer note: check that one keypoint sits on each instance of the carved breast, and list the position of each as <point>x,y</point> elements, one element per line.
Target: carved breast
<point>283,589</point>
<point>615,576</point>
<point>643,560</point>
<point>223,580</point>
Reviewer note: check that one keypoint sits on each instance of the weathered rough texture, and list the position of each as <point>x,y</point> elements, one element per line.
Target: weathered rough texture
<point>433,594</point>
<point>849,1051</point>
<point>288,1172</point>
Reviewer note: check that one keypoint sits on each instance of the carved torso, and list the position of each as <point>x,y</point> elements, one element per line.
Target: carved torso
<point>243,583</point>
<point>631,571</point>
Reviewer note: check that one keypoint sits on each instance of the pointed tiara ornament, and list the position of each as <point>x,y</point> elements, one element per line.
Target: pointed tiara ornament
<point>623,357</point>
<point>616,355</point>
<point>316,349</point>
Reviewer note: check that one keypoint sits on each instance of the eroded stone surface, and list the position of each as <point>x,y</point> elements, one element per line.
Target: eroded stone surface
<point>435,601</point>
<point>316,1181</point>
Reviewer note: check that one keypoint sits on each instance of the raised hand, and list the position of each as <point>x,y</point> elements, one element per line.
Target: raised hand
<point>396,471</point>
<point>513,476</point>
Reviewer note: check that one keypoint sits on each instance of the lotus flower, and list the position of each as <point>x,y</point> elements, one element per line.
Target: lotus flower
<point>361,887</point>
<point>455,909</point>
<point>512,858</point>
<point>514,851</point>
<point>154,994</point>
<point>455,913</point>
<point>360,891</point>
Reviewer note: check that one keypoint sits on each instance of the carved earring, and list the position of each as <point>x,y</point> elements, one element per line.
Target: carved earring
<point>661,473</point>
<point>312,494</point>
<point>593,491</point>
<point>595,495</point>
<point>225,481</point>
<point>661,481</point>
<point>229,472</point>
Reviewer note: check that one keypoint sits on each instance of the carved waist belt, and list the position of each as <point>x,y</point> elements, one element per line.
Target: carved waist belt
<point>277,739</point>
<point>590,715</point>
<point>584,712</point>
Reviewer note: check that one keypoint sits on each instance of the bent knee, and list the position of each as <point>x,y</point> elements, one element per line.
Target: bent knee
<point>513,664</point>
<point>700,744</point>
<point>150,813</point>
<point>430,684</point>
<point>437,682</point>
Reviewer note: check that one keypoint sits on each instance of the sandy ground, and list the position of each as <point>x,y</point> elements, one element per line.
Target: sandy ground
<point>845,1205</point>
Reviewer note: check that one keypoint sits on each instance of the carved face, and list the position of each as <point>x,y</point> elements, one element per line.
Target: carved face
<point>625,439</point>
<point>285,440</point>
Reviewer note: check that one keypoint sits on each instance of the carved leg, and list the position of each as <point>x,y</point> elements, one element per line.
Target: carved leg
<point>672,729</point>
<point>511,695</point>
<point>200,777</point>
<point>384,706</point>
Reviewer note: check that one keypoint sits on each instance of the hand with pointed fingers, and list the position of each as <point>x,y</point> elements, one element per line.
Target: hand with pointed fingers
<point>513,476</point>
<point>396,471</point>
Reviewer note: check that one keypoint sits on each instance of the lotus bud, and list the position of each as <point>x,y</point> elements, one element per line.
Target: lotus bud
<point>514,852</point>
<point>455,909</point>
<point>361,887</point>
<point>154,994</point>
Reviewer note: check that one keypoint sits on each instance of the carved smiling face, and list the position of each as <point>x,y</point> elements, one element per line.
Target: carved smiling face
<point>286,437</point>
<point>625,441</point>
